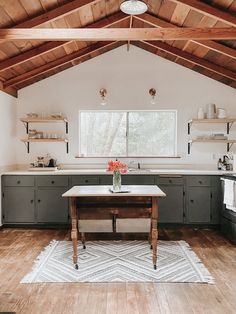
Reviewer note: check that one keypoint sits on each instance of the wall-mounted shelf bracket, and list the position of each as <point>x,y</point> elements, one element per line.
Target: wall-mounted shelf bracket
<point>26,124</point>
<point>229,125</point>
<point>189,147</point>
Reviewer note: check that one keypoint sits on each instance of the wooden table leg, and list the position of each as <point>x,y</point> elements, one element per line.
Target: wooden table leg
<point>154,231</point>
<point>74,230</point>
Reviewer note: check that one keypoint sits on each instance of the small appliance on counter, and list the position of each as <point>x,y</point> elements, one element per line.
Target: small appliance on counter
<point>44,164</point>
<point>225,164</point>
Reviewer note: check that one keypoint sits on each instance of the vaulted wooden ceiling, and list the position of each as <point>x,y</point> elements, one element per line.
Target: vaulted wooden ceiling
<point>24,62</point>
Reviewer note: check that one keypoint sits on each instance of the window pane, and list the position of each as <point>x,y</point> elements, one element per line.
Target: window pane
<point>152,133</point>
<point>102,134</point>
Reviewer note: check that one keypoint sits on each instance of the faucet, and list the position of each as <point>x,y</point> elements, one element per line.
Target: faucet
<point>131,167</point>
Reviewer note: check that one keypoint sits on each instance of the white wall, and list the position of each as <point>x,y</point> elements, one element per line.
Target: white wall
<point>7,134</point>
<point>7,129</point>
<point>127,76</point>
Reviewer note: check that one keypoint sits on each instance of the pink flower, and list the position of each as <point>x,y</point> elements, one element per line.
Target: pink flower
<point>116,166</point>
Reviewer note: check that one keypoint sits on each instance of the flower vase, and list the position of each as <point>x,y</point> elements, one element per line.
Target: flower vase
<point>116,181</point>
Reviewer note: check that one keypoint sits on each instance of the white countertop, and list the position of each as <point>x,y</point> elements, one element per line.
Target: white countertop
<point>103,190</point>
<point>156,171</point>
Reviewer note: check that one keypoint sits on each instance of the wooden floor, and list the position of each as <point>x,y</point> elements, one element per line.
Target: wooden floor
<point>19,248</point>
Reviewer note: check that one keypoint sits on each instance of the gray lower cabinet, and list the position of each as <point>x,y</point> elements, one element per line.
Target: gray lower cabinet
<point>51,206</point>
<point>171,207</point>
<point>38,199</point>
<point>199,199</point>
<point>18,204</point>
<point>198,204</point>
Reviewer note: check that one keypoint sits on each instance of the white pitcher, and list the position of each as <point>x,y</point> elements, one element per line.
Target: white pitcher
<point>211,111</point>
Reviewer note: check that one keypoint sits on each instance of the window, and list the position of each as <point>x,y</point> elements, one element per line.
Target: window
<point>128,133</point>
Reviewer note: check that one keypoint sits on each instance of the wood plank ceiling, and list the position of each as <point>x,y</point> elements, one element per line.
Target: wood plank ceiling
<point>24,62</point>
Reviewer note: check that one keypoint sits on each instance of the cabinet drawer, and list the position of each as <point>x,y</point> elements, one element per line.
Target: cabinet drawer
<point>18,180</point>
<point>138,179</point>
<point>133,225</point>
<point>92,225</point>
<point>52,181</point>
<point>84,180</point>
<point>198,181</point>
<point>169,180</point>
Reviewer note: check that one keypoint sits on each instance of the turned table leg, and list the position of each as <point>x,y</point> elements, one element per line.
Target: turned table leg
<point>154,231</point>
<point>74,230</point>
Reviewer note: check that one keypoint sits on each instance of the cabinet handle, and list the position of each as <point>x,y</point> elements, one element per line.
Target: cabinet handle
<point>18,182</point>
<point>31,201</point>
<point>39,201</point>
<point>200,182</point>
<point>86,181</point>
<point>170,181</point>
<point>52,182</point>
<point>191,201</point>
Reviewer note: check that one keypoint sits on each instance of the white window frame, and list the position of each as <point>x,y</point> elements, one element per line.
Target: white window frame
<point>127,135</point>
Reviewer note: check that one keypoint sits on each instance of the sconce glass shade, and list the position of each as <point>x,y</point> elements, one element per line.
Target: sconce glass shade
<point>152,92</point>
<point>103,93</point>
<point>103,102</point>
<point>133,7</point>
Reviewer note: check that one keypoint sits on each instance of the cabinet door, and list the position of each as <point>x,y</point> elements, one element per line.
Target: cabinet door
<point>18,205</point>
<point>199,205</point>
<point>51,206</point>
<point>171,207</point>
<point>216,200</point>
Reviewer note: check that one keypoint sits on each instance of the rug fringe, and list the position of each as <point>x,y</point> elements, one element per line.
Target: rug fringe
<point>203,271</point>
<point>41,258</point>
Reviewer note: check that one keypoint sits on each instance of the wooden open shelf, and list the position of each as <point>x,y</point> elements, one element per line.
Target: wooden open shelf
<point>27,141</point>
<point>27,120</point>
<point>43,120</point>
<point>228,121</point>
<point>229,143</point>
<point>44,140</point>
<point>48,119</point>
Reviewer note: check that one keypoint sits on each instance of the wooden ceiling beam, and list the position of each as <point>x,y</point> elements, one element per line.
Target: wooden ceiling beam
<point>193,59</point>
<point>49,46</point>
<point>56,13</point>
<point>57,63</point>
<point>217,47</point>
<point>117,34</point>
<point>210,11</point>
<point>10,90</point>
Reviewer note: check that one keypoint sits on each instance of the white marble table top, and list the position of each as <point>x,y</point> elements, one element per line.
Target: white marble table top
<point>103,190</point>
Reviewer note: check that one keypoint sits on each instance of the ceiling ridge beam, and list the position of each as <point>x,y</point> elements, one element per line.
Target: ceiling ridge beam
<point>49,46</point>
<point>118,34</point>
<point>192,59</point>
<point>210,11</point>
<point>157,22</point>
<point>57,63</point>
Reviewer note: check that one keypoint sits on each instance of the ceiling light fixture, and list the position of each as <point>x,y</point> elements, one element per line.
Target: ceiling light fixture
<point>152,93</point>
<point>133,7</point>
<point>103,94</point>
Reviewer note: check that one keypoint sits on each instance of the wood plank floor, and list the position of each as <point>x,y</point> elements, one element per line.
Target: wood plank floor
<point>20,247</point>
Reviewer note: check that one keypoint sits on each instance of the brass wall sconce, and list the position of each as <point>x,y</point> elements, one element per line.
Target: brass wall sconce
<point>103,94</point>
<point>152,93</point>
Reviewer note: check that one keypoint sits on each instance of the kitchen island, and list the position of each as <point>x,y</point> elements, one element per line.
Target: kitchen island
<point>91,203</point>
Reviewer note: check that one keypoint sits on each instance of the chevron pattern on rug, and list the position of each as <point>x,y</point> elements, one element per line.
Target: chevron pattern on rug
<point>118,261</point>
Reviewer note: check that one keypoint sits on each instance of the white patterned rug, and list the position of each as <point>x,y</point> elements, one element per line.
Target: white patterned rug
<point>119,261</point>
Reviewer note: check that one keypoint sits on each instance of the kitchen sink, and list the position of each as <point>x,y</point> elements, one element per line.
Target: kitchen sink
<point>138,170</point>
